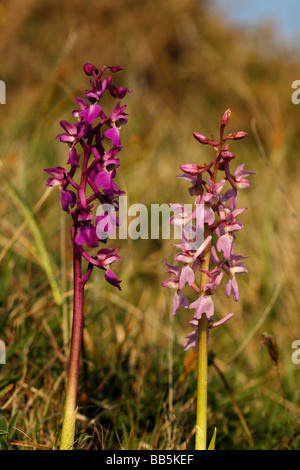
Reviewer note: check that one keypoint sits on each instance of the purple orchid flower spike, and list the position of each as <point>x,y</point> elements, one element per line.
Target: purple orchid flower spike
<point>94,141</point>
<point>220,217</point>
<point>215,186</point>
<point>98,138</point>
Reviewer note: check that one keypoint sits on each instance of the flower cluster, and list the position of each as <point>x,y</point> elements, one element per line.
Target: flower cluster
<point>94,143</point>
<point>215,256</point>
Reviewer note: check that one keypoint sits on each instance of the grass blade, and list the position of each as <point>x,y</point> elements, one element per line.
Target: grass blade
<point>38,238</point>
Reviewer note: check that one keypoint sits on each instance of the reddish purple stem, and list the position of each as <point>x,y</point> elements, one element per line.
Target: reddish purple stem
<point>77,328</point>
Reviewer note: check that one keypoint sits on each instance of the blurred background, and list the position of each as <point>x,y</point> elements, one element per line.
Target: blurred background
<point>186,61</point>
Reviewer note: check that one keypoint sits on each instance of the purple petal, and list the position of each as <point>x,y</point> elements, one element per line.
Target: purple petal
<point>104,180</point>
<point>90,113</point>
<point>232,288</point>
<point>108,256</point>
<point>215,280</point>
<point>239,268</point>
<point>106,225</point>
<point>170,282</point>
<point>203,304</point>
<point>187,275</point>
<point>213,255</point>
<point>209,215</point>
<point>53,182</point>
<point>81,102</point>
<point>116,92</point>
<point>112,279</point>
<point>179,300</point>
<point>118,115</point>
<point>187,177</point>
<point>225,243</point>
<point>86,234</point>
<point>85,216</point>
<point>73,157</point>
<point>68,199</point>
<point>222,321</point>
<point>191,341</point>
<point>65,138</point>
<point>231,196</point>
<point>113,134</point>
<point>115,68</point>
<point>183,257</point>
<point>240,172</point>
<point>68,127</point>
<point>58,172</point>
<point>173,269</point>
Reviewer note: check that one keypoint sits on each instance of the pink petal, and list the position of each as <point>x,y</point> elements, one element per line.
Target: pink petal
<point>179,300</point>
<point>186,276</point>
<point>232,288</point>
<point>203,304</point>
<point>222,321</point>
<point>225,243</point>
<point>191,341</point>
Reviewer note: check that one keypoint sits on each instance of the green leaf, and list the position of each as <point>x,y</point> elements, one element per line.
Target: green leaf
<point>3,424</point>
<point>3,433</point>
<point>213,440</point>
<point>12,424</point>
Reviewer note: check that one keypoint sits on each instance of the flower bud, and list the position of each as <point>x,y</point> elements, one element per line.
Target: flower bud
<point>193,169</point>
<point>201,138</point>
<point>89,69</point>
<point>226,155</point>
<point>225,118</point>
<point>239,135</point>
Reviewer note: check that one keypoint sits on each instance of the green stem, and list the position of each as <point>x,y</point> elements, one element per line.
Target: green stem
<point>68,430</point>
<point>201,414</point>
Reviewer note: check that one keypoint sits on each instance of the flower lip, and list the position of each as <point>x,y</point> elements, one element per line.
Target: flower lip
<point>68,199</point>
<point>86,234</point>
<point>112,279</point>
